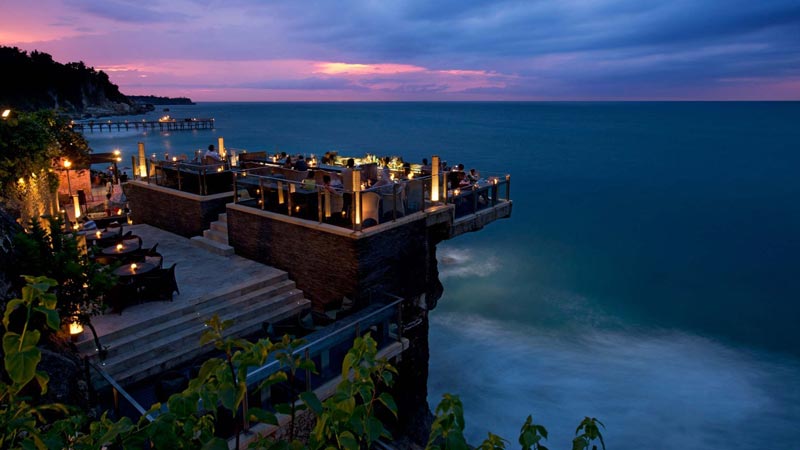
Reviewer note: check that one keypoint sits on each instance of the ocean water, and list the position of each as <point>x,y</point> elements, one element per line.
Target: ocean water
<point>648,275</point>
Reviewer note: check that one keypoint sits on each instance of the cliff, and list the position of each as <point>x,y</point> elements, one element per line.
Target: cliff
<point>35,81</point>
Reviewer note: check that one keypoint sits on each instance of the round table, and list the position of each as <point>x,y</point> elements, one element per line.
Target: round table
<point>141,268</point>
<point>105,234</point>
<point>128,246</point>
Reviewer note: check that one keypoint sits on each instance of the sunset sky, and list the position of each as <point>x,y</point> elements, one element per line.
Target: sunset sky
<point>255,50</point>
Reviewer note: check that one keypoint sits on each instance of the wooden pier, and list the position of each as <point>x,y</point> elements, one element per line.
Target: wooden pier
<point>144,125</point>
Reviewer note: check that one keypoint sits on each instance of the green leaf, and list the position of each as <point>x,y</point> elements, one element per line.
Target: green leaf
<point>11,306</point>
<point>51,315</point>
<point>283,408</point>
<point>347,441</point>
<point>375,429</point>
<point>42,378</point>
<point>227,396</point>
<point>260,415</point>
<point>22,356</point>
<point>388,401</point>
<point>310,399</point>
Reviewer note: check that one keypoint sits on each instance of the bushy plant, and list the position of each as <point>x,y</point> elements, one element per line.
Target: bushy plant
<point>346,420</point>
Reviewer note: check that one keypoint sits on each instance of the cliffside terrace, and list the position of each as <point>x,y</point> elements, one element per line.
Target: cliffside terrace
<point>330,194</point>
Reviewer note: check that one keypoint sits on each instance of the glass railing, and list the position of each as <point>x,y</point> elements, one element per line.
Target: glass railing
<point>484,194</point>
<point>284,191</point>
<point>110,396</point>
<point>194,178</point>
<point>327,347</point>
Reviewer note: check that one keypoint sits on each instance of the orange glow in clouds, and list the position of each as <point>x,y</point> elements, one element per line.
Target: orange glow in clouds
<point>340,68</point>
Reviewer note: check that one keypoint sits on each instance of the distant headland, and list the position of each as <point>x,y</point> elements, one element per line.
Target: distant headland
<point>35,81</point>
<point>155,100</point>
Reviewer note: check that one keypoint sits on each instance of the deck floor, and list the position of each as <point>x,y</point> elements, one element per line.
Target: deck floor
<point>199,273</point>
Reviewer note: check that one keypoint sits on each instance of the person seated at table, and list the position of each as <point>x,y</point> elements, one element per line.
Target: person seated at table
<point>300,164</point>
<point>211,154</point>
<point>473,176</point>
<point>385,175</point>
<point>288,163</point>
<point>327,184</point>
<point>425,169</point>
<point>309,184</point>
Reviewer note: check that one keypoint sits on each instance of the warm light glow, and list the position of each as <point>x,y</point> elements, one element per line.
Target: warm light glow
<point>67,164</point>
<point>119,247</point>
<point>116,153</point>
<point>357,196</point>
<point>6,113</point>
<point>75,329</point>
<point>221,145</point>
<point>339,68</point>
<point>133,266</point>
<point>142,162</point>
<point>77,204</point>
<point>98,234</point>
<point>174,158</point>
<point>219,169</point>
<point>435,166</point>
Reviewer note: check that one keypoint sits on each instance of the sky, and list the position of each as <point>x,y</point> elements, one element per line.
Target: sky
<point>392,50</point>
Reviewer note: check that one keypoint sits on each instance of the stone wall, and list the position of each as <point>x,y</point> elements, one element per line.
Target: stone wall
<point>175,211</point>
<point>329,262</point>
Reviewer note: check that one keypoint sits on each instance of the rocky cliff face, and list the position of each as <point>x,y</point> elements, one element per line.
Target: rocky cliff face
<point>34,81</point>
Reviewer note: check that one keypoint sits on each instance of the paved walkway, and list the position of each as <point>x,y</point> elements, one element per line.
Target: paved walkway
<point>199,273</point>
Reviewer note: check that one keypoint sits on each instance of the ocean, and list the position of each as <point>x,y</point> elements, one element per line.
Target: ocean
<point>648,276</point>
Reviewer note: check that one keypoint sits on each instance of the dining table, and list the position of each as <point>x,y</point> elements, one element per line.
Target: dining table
<point>99,235</point>
<point>128,270</point>
<point>123,248</point>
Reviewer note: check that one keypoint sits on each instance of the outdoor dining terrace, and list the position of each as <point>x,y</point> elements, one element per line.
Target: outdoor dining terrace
<point>328,193</point>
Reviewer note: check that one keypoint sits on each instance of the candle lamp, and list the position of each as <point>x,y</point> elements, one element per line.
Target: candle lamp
<point>75,331</point>
<point>133,267</point>
<point>98,234</point>
<point>119,247</point>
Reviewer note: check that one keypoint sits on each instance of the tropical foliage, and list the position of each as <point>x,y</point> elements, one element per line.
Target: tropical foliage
<point>32,145</point>
<point>349,419</point>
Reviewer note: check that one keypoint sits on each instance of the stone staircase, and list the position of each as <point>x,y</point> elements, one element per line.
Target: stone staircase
<point>172,336</point>
<point>215,239</point>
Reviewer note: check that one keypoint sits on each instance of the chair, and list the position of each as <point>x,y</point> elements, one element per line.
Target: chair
<point>159,284</point>
<point>414,195</point>
<point>333,204</point>
<point>393,205</point>
<point>129,237</point>
<point>369,209</point>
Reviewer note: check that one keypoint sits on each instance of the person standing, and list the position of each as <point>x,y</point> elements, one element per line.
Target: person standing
<point>347,182</point>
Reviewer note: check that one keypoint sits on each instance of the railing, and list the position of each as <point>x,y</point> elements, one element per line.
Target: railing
<point>201,179</point>
<point>112,396</point>
<point>383,319</point>
<point>327,348</point>
<point>355,210</point>
<point>479,196</point>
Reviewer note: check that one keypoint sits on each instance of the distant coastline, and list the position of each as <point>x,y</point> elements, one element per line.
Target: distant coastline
<point>155,100</point>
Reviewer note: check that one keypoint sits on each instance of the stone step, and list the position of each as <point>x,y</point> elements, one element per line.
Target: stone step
<point>195,318</point>
<point>161,358</point>
<point>187,337</point>
<point>222,227</point>
<point>212,246</point>
<point>215,235</point>
<point>223,217</point>
<point>171,310</point>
